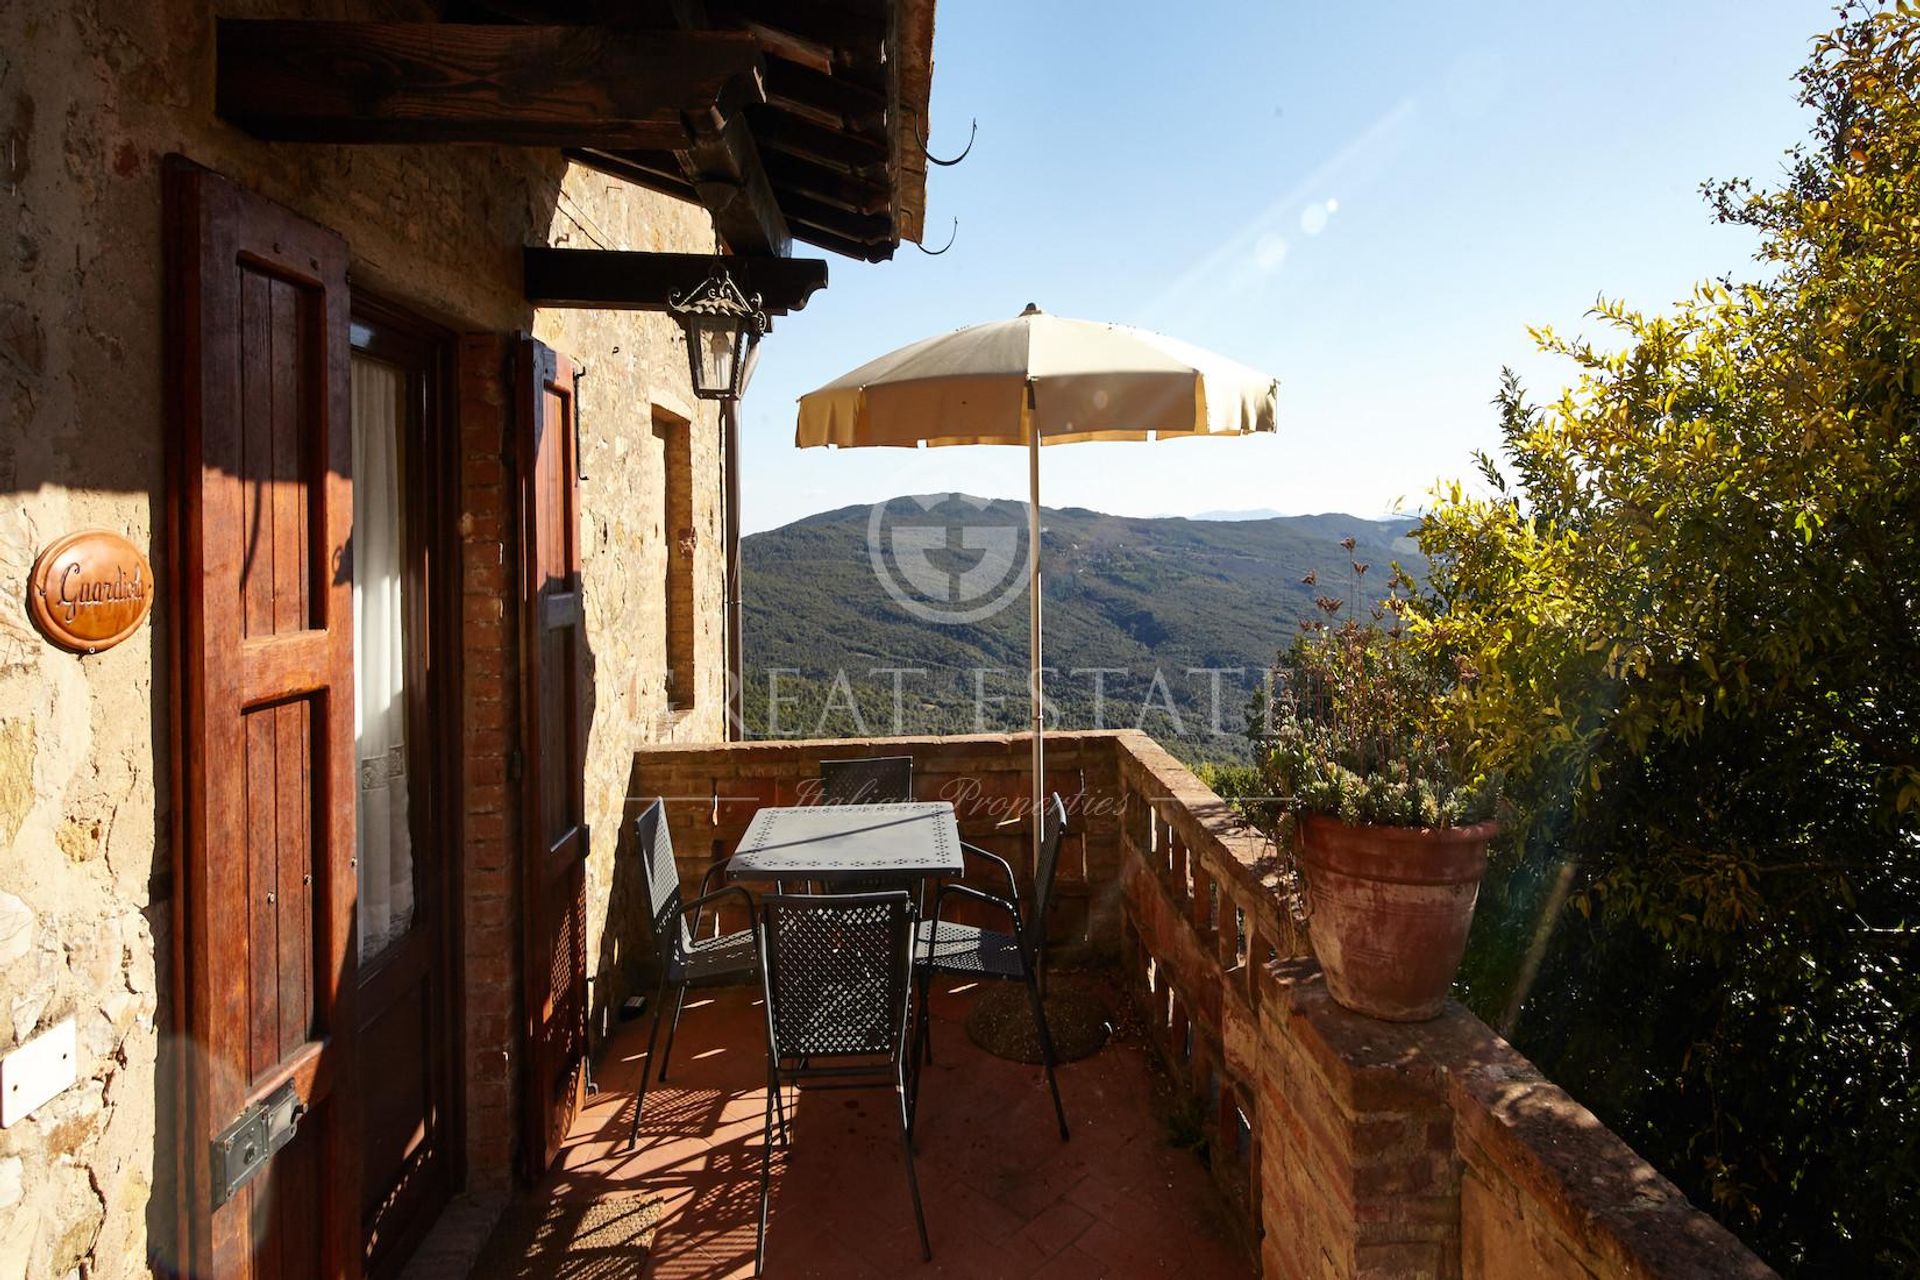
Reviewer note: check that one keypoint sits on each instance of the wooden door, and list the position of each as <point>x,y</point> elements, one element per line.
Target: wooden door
<point>260,509</point>
<point>552,691</point>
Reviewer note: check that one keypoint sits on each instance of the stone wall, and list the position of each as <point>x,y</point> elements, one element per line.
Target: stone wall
<point>92,96</point>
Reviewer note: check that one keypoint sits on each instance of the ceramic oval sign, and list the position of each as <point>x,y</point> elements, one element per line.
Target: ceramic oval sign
<point>90,590</point>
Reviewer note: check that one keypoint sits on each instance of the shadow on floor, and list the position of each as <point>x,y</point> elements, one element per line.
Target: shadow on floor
<point>1004,1196</point>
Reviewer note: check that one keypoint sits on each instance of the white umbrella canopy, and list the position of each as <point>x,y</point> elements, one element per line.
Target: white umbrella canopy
<point>1032,380</point>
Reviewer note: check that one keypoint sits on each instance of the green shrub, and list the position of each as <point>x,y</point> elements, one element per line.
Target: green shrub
<point>1352,729</point>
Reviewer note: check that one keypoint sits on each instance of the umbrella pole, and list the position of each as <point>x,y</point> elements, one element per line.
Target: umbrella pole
<point>1036,674</point>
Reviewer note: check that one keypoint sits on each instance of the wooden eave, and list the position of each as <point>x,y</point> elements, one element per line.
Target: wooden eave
<point>838,135</point>
<point>315,80</point>
<point>911,89</point>
<point>619,279</point>
<point>786,119</point>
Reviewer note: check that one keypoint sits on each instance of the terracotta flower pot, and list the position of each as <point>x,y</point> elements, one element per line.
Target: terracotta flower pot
<point>1391,909</point>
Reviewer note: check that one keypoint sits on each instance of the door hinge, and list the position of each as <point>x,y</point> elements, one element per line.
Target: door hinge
<point>516,765</point>
<point>579,443</point>
<point>244,1147</point>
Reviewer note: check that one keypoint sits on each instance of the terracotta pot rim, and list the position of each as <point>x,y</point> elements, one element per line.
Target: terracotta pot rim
<point>1467,832</point>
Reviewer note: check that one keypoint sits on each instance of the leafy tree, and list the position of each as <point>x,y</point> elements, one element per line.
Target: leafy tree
<point>1688,595</point>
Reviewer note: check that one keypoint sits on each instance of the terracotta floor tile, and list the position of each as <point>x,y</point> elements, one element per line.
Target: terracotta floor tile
<point>1057,1226</point>
<point>1132,1252</point>
<point>803,1251</point>
<point>1004,1196</point>
<point>1071,1264</point>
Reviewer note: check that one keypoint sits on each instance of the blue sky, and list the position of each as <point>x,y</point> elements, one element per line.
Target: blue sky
<point>1371,202</point>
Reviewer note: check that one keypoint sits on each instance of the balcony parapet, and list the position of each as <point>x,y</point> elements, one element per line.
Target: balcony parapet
<point>1435,1149</point>
<point>1346,1146</point>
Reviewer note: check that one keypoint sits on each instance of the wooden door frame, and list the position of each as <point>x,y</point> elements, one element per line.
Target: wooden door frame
<point>384,330</point>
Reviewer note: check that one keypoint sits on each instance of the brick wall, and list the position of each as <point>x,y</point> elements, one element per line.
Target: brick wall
<point>490,677</point>
<point>1358,1154</point>
<point>713,791</point>
<point>1204,917</point>
<point>1547,1192</point>
<point>1435,1150</point>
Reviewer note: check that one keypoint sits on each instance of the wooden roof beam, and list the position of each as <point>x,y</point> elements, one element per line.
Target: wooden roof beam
<point>623,279</point>
<point>856,249</point>
<point>423,82</point>
<point>722,164</point>
<point>789,135</point>
<point>842,191</point>
<point>833,101</point>
<point>862,228</point>
<point>654,170</point>
<point>792,47</point>
<point>816,36</point>
<point>909,88</point>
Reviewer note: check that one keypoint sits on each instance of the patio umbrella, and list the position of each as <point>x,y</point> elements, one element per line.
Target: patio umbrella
<point>1033,380</point>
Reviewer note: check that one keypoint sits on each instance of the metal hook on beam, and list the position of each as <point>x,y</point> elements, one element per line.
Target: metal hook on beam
<point>934,253</point>
<point>973,131</point>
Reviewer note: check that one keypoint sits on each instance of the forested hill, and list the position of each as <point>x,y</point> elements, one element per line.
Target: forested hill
<point>1166,599</point>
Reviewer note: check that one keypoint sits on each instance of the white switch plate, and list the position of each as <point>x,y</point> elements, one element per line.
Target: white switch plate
<point>38,1070</point>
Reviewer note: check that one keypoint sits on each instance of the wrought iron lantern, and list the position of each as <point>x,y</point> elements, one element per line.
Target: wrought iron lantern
<point>723,327</point>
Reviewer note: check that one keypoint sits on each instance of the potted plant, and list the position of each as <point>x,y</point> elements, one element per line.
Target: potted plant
<point>1390,825</point>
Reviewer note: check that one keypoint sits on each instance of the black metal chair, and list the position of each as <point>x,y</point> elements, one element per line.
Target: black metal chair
<point>869,780</point>
<point>872,780</point>
<point>837,972</point>
<point>946,946</point>
<point>684,956</point>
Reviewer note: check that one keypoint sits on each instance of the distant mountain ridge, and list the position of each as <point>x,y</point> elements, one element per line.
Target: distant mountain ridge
<point>1254,513</point>
<point>1163,623</point>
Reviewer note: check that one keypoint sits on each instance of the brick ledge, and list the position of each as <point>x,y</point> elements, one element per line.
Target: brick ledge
<point>1524,1138</point>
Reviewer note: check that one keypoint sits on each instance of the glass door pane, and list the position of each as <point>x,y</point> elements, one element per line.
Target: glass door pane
<point>380,654</point>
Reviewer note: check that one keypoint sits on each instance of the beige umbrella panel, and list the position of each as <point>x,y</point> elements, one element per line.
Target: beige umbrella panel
<point>1078,379</point>
<point>1038,379</point>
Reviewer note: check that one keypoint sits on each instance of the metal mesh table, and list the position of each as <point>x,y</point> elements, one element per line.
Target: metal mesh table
<point>833,843</point>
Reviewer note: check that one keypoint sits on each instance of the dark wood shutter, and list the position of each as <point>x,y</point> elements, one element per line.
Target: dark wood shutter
<point>260,511</point>
<point>553,717</point>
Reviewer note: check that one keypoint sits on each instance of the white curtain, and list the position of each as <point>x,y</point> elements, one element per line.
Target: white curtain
<point>379,655</point>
